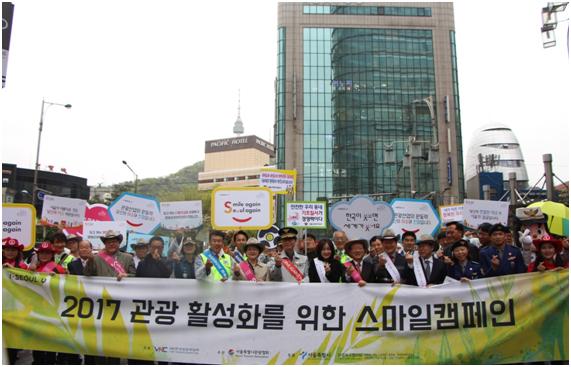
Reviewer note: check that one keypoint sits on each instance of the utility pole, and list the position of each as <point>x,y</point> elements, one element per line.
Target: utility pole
<point>547,161</point>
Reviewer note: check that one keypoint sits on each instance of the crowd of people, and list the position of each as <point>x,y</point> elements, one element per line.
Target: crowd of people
<point>387,258</point>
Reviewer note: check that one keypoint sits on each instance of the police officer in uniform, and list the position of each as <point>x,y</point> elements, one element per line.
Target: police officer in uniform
<point>461,267</point>
<point>500,258</point>
<point>282,269</point>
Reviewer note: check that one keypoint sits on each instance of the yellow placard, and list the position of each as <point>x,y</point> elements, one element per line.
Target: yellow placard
<point>19,222</point>
<point>280,181</point>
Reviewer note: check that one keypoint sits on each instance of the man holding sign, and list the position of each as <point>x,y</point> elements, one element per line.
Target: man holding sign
<point>213,264</point>
<point>290,266</point>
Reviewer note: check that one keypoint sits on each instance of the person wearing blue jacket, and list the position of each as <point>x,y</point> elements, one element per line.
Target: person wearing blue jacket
<point>461,267</point>
<point>500,258</point>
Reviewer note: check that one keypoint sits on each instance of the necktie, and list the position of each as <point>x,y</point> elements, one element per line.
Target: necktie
<point>427,267</point>
<point>358,267</point>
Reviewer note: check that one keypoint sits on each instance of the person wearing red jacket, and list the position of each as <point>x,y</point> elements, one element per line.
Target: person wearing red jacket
<point>548,255</point>
<point>12,258</point>
<point>12,254</point>
<point>46,262</point>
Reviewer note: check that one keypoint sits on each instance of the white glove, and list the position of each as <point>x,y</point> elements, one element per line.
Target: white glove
<point>525,238</point>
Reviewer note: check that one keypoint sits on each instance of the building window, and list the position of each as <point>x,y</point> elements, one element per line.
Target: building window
<point>398,11</point>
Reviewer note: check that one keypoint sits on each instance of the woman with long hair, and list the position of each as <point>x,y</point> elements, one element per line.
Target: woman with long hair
<point>324,268</point>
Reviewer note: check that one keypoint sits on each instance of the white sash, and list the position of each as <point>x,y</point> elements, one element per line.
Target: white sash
<point>391,268</point>
<point>418,270</point>
<point>320,270</point>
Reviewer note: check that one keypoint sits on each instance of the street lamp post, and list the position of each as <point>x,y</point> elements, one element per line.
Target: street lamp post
<point>136,176</point>
<point>35,187</point>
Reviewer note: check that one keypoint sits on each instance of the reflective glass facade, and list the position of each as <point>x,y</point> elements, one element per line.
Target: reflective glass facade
<point>362,94</point>
<point>455,89</point>
<point>363,80</point>
<point>368,10</point>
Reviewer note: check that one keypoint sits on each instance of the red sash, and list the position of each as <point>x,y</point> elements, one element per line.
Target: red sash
<point>112,262</point>
<point>49,267</point>
<point>290,267</point>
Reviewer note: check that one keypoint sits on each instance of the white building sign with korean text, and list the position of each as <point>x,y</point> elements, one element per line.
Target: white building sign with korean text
<point>181,214</point>
<point>306,214</point>
<point>477,212</point>
<point>361,217</point>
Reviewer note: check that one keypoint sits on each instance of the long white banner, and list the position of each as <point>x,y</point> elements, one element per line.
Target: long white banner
<point>483,322</point>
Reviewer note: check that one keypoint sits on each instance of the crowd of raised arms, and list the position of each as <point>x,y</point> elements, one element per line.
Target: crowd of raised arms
<point>388,258</point>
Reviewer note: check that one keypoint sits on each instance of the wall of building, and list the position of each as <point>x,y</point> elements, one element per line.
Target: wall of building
<point>345,89</point>
<point>243,158</point>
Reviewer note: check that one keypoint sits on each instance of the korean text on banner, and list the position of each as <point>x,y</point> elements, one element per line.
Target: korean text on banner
<point>451,213</point>
<point>505,320</point>
<point>141,212</point>
<point>280,181</point>
<point>19,222</point>
<point>361,217</point>
<point>477,212</point>
<point>242,207</point>
<point>417,216</point>
<point>306,214</point>
<point>63,211</point>
<point>181,214</point>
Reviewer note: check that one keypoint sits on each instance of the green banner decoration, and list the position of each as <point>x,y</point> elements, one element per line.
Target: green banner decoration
<point>511,319</point>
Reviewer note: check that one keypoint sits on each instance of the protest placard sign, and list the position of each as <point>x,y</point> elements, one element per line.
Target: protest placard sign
<point>19,222</point>
<point>280,181</point>
<point>361,217</point>
<point>92,230</point>
<point>242,208</point>
<point>142,213</point>
<point>451,213</point>
<point>306,214</point>
<point>477,212</point>
<point>62,211</point>
<point>417,216</point>
<point>181,214</point>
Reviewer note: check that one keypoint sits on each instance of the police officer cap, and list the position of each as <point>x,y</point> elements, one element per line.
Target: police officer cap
<point>498,227</point>
<point>287,232</point>
<point>460,243</point>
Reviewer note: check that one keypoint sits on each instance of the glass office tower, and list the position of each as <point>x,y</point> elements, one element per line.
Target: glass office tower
<point>367,100</point>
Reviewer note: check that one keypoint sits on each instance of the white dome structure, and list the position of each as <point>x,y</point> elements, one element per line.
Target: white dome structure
<point>495,148</point>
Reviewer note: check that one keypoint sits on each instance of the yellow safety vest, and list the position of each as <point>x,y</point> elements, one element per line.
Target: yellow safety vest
<point>226,262</point>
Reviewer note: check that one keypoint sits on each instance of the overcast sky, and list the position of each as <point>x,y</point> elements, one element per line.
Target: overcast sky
<point>150,81</point>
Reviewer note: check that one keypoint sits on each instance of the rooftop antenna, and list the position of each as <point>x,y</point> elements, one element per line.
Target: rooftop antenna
<point>238,125</point>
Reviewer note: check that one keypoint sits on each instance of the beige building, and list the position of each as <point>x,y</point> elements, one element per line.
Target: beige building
<point>235,161</point>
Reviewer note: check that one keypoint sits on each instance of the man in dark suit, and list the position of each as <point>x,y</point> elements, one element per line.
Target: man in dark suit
<point>85,249</point>
<point>357,268</point>
<point>386,273</point>
<point>434,269</point>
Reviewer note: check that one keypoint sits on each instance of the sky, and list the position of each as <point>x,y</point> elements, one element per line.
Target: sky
<point>150,81</point>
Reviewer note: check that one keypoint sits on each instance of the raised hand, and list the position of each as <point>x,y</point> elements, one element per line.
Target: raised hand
<point>495,262</point>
